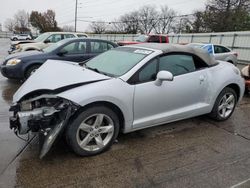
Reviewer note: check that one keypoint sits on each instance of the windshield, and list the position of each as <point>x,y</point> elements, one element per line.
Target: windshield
<point>118,61</point>
<point>54,46</point>
<point>142,38</point>
<point>42,37</point>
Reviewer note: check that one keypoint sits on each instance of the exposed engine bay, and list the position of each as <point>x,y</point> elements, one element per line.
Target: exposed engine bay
<point>45,114</point>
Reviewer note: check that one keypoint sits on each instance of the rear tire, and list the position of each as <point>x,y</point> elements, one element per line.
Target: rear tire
<point>224,105</point>
<point>93,131</point>
<point>31,71</point>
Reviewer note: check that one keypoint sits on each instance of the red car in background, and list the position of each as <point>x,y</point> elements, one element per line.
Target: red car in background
<point>146,38</point>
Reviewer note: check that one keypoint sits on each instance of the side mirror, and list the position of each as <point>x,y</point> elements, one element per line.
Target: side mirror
<point>163,76</point>
<point>47,41</point>
<point>62,52</point>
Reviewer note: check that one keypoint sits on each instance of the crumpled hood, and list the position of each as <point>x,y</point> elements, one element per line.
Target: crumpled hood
<point>54,74</point>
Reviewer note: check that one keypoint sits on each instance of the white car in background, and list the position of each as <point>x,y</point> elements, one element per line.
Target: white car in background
<point>20,37</point>
<point>219,52</point>
<point>42,41</point>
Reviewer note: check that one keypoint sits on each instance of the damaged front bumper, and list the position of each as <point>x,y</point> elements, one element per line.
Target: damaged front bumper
<point>47,115</point>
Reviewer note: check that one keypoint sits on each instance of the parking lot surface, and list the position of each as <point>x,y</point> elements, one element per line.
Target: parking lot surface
<point>197,152</point>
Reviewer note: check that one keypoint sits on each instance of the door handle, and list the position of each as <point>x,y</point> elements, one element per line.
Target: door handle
<point>202,78</point>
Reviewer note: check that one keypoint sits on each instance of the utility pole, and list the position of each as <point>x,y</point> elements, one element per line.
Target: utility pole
<point>76,15</point>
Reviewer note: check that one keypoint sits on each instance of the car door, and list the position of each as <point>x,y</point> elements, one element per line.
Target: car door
<point>75,51</point>
<point>21,37</point>
<point>183,97</point>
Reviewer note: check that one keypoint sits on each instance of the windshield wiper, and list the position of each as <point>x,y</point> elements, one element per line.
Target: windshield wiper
<point>96,70</point>
<point>93,69</point>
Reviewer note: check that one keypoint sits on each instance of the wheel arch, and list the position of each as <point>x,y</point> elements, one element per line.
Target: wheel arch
<point>27,67</point>
<point>236,88</point>
<point>108,104</point>
<point>29,49</point>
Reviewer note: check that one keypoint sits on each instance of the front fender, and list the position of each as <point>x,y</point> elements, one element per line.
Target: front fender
<point>114,91</point>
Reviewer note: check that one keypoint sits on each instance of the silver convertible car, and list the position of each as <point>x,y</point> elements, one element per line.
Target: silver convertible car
<point>123,90</point>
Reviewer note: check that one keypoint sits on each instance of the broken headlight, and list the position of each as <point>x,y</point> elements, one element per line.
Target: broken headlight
<point>39,102</point>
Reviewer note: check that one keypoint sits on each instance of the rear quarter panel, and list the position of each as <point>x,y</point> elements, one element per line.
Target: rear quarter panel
<point>220,76</point>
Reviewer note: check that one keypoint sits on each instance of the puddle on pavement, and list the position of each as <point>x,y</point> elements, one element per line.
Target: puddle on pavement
<point>61,167</point>
<point>8,88</point>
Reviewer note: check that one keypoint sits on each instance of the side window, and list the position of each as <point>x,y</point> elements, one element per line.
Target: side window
<point>99,47</point>
<point>177,64</point>
<point>55,38</point>
<point>220,49</point>
<point>75,48</point>
<point>81,35</point>
<point>110,46</point>
<point>154,39</point>
<point>69,36</point>
<point>163,39</point>
<point>148,73</point>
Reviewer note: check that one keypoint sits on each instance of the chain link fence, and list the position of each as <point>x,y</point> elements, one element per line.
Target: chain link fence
<point>4,34</point>
<point>237,41</point>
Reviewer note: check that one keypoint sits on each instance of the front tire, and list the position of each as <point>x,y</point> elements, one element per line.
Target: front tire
<point>93,131</point>
<point>224,105</point>
<point>31,70</point>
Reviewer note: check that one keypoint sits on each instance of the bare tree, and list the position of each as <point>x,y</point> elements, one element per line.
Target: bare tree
<point>10,24</point>
<point>131,22</point>
<point>166,20</point>
<point>98,27</point>
<point>19,23</point>
<point>21,20</point>
<point>148,18</point>
<point>117,26</point>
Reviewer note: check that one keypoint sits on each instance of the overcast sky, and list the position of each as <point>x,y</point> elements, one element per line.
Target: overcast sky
<point>106,10</point>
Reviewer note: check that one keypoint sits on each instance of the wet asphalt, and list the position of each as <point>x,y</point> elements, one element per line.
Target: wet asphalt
<point>197,152</point>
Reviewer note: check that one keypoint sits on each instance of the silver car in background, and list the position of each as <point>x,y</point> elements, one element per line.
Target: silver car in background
<point>219,52</point>
<point>123,90</point>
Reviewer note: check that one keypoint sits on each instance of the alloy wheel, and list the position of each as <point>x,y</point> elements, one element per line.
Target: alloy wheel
<point>95,132</point>
<point>226,105</point>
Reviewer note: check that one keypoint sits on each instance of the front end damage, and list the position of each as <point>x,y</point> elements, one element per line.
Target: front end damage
<point>45,114</point>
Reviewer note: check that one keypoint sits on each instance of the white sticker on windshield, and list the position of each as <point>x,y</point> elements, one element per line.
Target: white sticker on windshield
<point>146,52</point>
